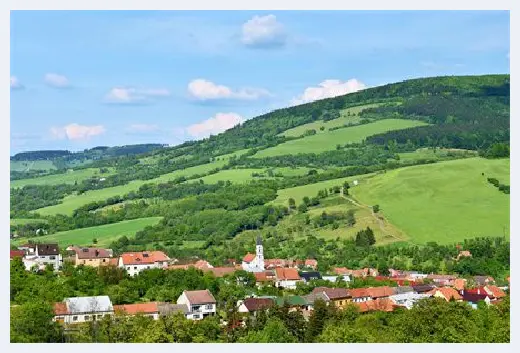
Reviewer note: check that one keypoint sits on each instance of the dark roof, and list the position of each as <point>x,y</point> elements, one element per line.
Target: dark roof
<point>48,249</point>
<point>312,297</point>
<point>482,280</point>
<point>332,293</point>
<point>310,275</point>
<point>167,308</point>
<point>421,288</point>
<point>473,297</point>
<point>254,304</point>
<point>403,289</point>
<point>92,253</point>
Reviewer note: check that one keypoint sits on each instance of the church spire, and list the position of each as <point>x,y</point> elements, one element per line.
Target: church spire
<point>258,240</point>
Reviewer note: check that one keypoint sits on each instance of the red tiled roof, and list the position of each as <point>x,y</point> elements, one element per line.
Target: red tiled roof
<point>202,264</point>
<point>143,257</point>
<point>265,276</point>
<point>249,257</point>
<point>380,292</point>
<point>342,271</point>
<point>447,292</point>
<point>199,296</point>
<point>290,274</point>
<point>132,309</point>
<point>359,293</point>
<point>277,262</point>
<point>459,283</point>
<point>91,253</point>
<point>60,309</point>
<point>220,271</point>
<point>254,304</point>
<point>16,253</point>
<point>495,291</point>
<point>311,262</point>
<point>383,304</point>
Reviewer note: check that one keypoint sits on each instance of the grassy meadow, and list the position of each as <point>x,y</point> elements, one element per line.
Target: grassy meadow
<point>25,166</point>
<point>328,140</point>
<point>68,177</point>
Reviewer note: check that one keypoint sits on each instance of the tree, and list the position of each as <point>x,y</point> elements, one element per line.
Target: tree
<point>274,332</point>
<point>316,321</point>
<point>375,208</point>
<point>302,208</point>
<point>292,203</point>
<point>32,322</point>
<point>351,219</point>
<point>94,241</point>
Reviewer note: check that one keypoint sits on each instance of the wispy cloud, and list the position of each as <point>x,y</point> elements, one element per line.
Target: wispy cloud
<point>204,90</point>
<point>130,95</point>
<point>76,132</point>
<point>263,32</point>
<point>328,89</point>
<point>56,80</point>
<point>16,84</point>
<point>215,125</point>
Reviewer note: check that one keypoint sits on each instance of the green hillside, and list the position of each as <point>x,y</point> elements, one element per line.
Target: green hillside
<point>69,177</point>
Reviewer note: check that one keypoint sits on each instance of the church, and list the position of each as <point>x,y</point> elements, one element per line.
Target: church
<point>255,263</point>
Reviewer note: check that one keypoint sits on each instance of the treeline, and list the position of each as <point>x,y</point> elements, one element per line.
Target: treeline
<point>32,197</point>
<point>39,155</point>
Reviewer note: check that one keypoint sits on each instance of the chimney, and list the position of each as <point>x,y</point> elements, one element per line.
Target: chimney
<point>97,252</point>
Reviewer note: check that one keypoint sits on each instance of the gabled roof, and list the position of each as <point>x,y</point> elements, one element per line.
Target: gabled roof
<point>473,297</point>
<point>92,253</point>
<point>288,274</point>
<point>60,309</point>
<point>48,249</point>
<point>166,309</point>
<point>143,257</point>
<point>265,276</point>
<point>88,304</point>
<point>495,291</point>
<point>309,275</point>
<point>403,289</point>
<point>132,309</point>
<point>447,292</point>
<point>311,262</point>
<point>380,292</point>
<point>421,288</point>
<point>16,253</point>
<point>382,304</point>
<point>200,296</point>
<point>483,280</point>
<point>312,297</point>
<point>249,257</point>
<point>359,293</point>
<point>254,304</point>
<point>458,283</point>
<point>332,293</point>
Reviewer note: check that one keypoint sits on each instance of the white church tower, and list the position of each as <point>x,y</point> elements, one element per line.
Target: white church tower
<point>260,254</point>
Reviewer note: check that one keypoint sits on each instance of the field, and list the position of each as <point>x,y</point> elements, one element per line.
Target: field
<point>244,175</point>
<point>22,221</point>
<point>443,202</point>
<point>226,157</point>
<point>105,234</point>
<point>25,166</point>
<point>71,202</point>
<point>438,154</point>
<point>330,139</point>
<point>344,118</point>
<point>67,178</point>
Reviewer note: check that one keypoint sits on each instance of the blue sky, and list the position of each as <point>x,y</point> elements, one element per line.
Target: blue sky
<point>81,79</point>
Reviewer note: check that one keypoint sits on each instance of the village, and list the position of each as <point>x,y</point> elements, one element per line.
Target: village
<point>409,286</point>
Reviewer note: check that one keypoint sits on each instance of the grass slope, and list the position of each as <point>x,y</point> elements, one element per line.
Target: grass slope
<point>330,139</point>
<point>442,202</point>
<point>22,221</point>
<point>66,178</point>
<point>105,234</point>
<point>24,166</point>
<point>70,203</point>
<point>244,175</point>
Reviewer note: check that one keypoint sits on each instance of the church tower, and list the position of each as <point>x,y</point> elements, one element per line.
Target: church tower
<point>259,253</point>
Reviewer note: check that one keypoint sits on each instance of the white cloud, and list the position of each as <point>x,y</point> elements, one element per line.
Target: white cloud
<point>206,90</point>
<point>77,132</point>
<point>328,89</point>
<point>129,95</point>
<point>263,32</point>
<point>56,81</point>
<point>217,124</point>
<point>15,83</point>
<point>142,128</point>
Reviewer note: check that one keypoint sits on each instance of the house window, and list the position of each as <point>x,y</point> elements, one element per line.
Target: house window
<point>209,306</point>
<point>128,268</point>
<point>104,260</point>
<point>87,317</point>
<point>135,267</point>
<point>74,318</point>
<point>53,257</point>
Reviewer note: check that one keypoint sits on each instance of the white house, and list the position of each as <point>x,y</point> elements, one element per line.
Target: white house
<point>41,255</point>
<point>82,309</point>
<point>286,278</point>
<point>135,262</point>
<point>407,300</point>
<point>334,279</point>
<point>255,263</point>
<point>200,303</point>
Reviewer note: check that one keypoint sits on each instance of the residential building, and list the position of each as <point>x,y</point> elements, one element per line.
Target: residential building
<point>408,299</point>
<point>473,298</point>
<point>441,280</point>
<point>483,280</point>
<point>200,303</point>
<point>146,309</point>
<point>264,278</point>
<point>446,293</point>
<point>403,290</point>
<point>167,309</point>
<point>41,255</point>
<point>311,263</point>
<point>339,297</point>
<point>458,283</point>
<point>252,305</point>
<point>382,304</point>
<point>199,265</point>
<point>360,295</point>
<point>380,292</point>
<point>463,253</point>
<point>423,288</point>
<point>287,278</point>
<point>308,276</point>
<point>494,292</point>
<point>82,309</point>
<point>13,254</point>
<point>311,298</point>
<point>334,279</point>
<point>93,257</point>
<point>135,262</point>
<point>255,263</point>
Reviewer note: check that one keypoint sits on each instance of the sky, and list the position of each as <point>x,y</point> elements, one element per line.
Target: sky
<point>81,79</point>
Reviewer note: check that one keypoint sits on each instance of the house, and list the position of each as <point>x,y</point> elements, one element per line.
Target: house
<point>408,299</point>
<point>483,280</point>
<point>463,253</point>
<point>441,280</point>
<point>360,295</point>
<point>334,279</point>
<point>494,292</point>
<point>92,256</point>
<point>362,273</point>
<point>413,275</point>
<point>446,293</point>
<point>264,278</point>
<point>135,262</point>
<point>255,263</point>
<point>403,290</point>
<point>474,298</point>
<point>380,292</point>
<point>422,288</point>
<point>458,283</point>
<point>82,309</point>
<point>311,298</point>
<point>382,304</point>
<point>309,276</point>
<point>200,303</point>
<point>311,263</point>
<point>339,297</point>
<point>220,271</point>
<point>286,278</point>
<point>41,255</point>
<point>146,309</point>
<point>252,305</point>
<point>167,309</point>
<point>199,265</point>
<point>13,254</point>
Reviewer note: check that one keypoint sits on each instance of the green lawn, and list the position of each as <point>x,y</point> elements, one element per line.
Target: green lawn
<point>105,234</point>
<point>22,221</point>
<point>67,178</point>
<point>244,175</point>
<point>226,157</point>
<point>443,202</point>
<point>23,166</point>
<point>71,202</point>
<point>328,140</point>
<point>342,120</point>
